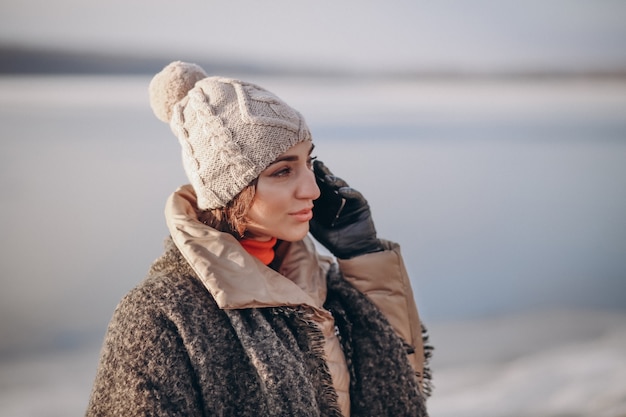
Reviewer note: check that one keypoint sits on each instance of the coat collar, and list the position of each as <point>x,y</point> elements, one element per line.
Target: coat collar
<point>237,279</point>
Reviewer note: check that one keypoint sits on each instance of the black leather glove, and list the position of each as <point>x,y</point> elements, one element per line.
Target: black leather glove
<point>342,220</point>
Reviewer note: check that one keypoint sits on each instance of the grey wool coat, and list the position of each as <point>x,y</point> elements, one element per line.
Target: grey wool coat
<point>170,351</point>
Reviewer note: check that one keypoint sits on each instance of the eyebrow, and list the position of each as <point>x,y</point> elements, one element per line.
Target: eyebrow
<point>291,158</point>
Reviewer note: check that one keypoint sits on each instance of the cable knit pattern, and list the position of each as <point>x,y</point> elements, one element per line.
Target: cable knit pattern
<point>229,130</point>
<point>170,351</point>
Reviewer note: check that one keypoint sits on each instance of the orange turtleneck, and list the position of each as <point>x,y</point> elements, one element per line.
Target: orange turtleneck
<point>263,251</point>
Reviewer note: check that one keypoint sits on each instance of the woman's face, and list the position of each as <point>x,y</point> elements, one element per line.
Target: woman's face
<point>283,200</point>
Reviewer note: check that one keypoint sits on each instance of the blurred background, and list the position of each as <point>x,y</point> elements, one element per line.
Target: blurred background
<point>488,136</point>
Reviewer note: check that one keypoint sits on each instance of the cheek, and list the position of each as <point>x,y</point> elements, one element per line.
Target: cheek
<point>270,199</point>
<point>263,210</point>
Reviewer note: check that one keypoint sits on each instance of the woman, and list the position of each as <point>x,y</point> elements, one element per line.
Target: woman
<point>240,316</point>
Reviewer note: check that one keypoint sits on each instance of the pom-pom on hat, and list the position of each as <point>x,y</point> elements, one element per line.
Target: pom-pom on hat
<point>229,130</point>
<point>170,85</point>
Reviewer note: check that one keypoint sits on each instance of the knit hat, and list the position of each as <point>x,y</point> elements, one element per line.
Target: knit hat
<point>229,130</point>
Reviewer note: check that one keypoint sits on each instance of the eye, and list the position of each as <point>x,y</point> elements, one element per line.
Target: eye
<point>282,172</point>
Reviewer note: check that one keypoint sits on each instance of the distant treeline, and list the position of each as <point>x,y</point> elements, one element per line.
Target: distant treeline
<point>18,60</point>
<point>28,60</point>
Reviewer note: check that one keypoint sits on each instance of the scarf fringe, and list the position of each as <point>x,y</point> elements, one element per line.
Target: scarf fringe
<point>317,341</point>
<point>427,378</point>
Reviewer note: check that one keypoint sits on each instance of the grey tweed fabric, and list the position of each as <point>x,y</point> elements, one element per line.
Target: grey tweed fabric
<point>170,351</point>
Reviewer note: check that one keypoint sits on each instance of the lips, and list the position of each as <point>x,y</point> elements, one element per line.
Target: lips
<point>303,215</point>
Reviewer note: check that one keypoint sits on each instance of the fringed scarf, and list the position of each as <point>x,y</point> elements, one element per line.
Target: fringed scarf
<point>286,349</point>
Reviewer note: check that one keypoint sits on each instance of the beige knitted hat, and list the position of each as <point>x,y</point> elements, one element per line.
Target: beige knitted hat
<point>229,130</point>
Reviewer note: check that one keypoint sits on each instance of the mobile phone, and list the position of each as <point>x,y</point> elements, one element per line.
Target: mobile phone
<point>328,207</point>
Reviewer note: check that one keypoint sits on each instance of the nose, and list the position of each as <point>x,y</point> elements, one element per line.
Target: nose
<point>308,189</point>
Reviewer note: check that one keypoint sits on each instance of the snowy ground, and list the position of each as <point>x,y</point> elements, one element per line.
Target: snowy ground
<point>559,364</point>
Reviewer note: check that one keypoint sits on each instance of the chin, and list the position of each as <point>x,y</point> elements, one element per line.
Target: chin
<point>295,235</point>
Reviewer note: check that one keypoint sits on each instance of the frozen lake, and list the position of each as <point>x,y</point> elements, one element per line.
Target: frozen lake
<point>508,199</point>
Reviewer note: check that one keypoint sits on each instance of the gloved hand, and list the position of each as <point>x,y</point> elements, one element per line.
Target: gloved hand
<point>342,220</point>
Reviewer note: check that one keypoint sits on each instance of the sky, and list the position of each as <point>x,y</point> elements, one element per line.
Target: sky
<point>355,35</point>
